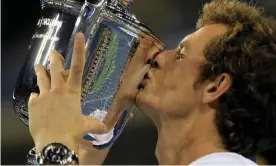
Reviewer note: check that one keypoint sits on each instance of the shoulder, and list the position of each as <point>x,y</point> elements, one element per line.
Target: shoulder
<point>223,158</point>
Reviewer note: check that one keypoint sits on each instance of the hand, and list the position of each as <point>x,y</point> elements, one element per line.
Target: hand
<point>132,77</point>
<point>88,155</point>
<point>55,114</point>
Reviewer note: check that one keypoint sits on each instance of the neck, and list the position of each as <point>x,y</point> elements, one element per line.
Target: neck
<point>183,140</point>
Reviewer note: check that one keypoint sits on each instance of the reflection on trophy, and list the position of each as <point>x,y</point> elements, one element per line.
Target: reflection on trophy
<point>111,34</point>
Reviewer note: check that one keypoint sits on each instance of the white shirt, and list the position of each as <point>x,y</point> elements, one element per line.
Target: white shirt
<point>223,158</point>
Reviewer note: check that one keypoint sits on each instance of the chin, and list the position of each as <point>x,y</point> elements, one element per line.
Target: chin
<point>145,102</point>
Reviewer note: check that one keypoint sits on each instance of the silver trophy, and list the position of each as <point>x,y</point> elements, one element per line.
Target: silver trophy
<point>111,34</point>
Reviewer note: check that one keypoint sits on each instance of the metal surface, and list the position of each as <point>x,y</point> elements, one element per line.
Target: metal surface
<point>111,34</point>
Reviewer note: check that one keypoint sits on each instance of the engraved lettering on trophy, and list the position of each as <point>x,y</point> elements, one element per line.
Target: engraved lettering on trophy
<point>45,36</point>
<point>51,23</point>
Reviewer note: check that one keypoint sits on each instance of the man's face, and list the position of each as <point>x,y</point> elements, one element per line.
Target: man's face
<point>169,86</point>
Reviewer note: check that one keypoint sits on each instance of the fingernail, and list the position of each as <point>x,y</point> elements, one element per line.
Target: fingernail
<point>79,36</point>
<point>51,55</point>
<point>53,52</point>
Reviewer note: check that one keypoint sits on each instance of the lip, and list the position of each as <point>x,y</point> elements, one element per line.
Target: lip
<point>146,79</point>
<point>148,75</point>
<point>143,84</point>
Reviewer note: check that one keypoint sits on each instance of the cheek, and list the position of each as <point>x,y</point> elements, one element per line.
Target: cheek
<point>173,80</point>
<point>178,103</point>
<point>171,91</point>
<point>182,77</point>
<point>172,99</point>
<point>180,95</point>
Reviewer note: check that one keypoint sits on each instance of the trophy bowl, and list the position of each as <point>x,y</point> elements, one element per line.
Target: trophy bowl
<point>111,34</point>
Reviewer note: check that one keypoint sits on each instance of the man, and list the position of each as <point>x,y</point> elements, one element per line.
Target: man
<point>212,99</point>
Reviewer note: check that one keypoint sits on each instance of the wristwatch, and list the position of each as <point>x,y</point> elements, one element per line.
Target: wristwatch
<point>53,154</point>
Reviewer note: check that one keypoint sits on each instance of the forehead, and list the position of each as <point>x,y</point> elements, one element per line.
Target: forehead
<point>199,39</point>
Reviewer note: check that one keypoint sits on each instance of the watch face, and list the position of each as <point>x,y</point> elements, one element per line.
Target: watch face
<point>55,153</point>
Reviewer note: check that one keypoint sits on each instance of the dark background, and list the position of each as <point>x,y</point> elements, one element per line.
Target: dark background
<point>171,20</point>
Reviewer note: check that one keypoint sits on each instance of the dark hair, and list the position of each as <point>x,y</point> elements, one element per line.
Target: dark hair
<point>246,113</point>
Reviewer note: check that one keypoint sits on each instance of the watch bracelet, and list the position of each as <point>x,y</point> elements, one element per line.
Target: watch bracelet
<point>36,159</point>
<point>31,157</point>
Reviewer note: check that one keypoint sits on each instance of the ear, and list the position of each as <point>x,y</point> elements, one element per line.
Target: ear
<point>216,88</point>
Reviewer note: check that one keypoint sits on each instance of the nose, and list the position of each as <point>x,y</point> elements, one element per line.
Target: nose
<point>160,60</point>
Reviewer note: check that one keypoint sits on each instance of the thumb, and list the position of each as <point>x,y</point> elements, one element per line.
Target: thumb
<point>85,145</point>
<point>139,75</point>
<point>91,125</point>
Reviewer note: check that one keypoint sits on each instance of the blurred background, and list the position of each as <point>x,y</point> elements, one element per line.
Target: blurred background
<point>171,20</point>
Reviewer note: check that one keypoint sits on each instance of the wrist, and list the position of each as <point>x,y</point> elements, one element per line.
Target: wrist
<point>42,141</point>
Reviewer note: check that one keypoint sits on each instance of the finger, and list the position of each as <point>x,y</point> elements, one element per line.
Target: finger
<point>152,53</point>
<point>140,56</point>
<point>142,51</point>
<point>56,69</point>
<point>65,74</point>
<point>91,125</point>
<point>144,44</point>
<point>117,108</point>
<point>113,117</point>
<point>138,76</point>
<point>32,99</point>
<point>43,80</point>
<point>86,146</point>
<point>78,61</point>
